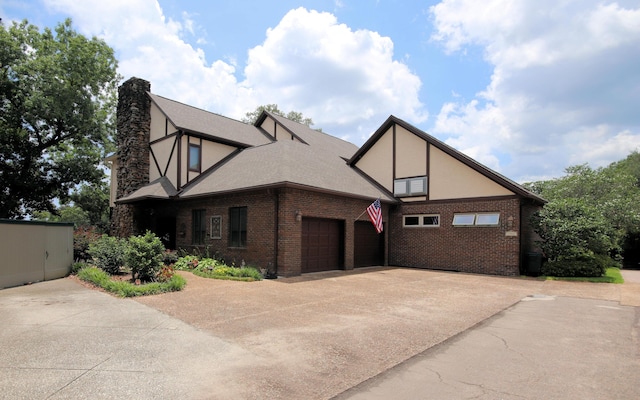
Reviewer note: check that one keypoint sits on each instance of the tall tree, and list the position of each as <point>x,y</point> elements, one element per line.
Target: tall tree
<point>590,211</point>
<point>57,107</point>
<point>295,116</point>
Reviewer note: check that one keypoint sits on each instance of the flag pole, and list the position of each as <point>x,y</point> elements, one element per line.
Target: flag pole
<point>365,210</point>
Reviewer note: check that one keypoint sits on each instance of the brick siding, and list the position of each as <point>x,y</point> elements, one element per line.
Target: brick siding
<point>279,252</point>
<point>486,250</point>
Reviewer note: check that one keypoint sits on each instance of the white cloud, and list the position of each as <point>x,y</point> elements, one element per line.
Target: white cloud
<point>565,85</point>
<point>151,46</point>
<point>347,81</point>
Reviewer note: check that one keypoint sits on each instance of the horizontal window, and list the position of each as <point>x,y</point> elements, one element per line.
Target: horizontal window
<point>410,187</point>
<point>479,219</point>
<point>426,220</point>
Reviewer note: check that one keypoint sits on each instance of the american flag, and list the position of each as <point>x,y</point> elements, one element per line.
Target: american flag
<point>375,215</point>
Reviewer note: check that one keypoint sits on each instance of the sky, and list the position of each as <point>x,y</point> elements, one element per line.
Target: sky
<point>528,88</point>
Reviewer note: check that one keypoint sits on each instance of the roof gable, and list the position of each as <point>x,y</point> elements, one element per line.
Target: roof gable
<point>311,137</point>
<point>446,149</point>
<point>208,124</point>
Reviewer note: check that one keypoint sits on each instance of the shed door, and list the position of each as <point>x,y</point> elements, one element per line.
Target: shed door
<point>368,245</point>
<point>321,244</point>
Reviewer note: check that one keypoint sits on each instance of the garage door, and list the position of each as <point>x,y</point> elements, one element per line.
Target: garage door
<point>321,244</point>
<point>368,246</point>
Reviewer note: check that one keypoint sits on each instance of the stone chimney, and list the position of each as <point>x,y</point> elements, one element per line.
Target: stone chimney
<point>132,141</point>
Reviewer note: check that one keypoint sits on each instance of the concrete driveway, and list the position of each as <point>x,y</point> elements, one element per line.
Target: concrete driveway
<point>310,337</point>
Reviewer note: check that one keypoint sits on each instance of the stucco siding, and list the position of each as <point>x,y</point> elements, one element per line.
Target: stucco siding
<point>411,154</point>
<point>452,179</point>
<point>378,161</point>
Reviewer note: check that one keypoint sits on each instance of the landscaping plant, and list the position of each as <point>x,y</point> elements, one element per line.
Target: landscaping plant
<point>108,253</point>
<point>145,255</point>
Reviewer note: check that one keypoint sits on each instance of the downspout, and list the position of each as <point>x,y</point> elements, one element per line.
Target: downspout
<point>277,224</point>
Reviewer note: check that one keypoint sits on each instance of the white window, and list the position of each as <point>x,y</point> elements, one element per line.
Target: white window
<point>480,219</point>
<point>410,186</point>
<point>489,219</point>
<point>464,219</point>
<point>421,220</point>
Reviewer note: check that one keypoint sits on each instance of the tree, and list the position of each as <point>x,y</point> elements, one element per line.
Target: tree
<point>57,107</point>
<point>89,206</point>
<point>94,200</point>
<point>590,211</point>
<point>295,116</point>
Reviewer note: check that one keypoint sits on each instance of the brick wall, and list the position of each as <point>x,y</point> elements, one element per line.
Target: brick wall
<point>261,217</point>
<point>486,250</point>
<point>267,248</point>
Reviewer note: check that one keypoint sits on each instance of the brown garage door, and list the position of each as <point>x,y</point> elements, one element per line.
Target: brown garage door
<point>321,244</point>
<point>368,246</point>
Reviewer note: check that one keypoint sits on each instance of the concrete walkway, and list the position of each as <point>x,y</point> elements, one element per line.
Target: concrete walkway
<point>317,336</point>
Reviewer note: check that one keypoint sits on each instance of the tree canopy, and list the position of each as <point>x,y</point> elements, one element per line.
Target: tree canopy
<point>590,211</point>
<point>57,114</point>
<point>295,116</point>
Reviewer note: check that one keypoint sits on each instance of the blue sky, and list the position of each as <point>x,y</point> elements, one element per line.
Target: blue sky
<point>528,87</point>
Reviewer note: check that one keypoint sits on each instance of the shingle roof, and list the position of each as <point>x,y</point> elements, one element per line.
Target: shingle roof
<point>318,139</point>
<point>195,120</point>
<point>286,163</point>
<point>161,189</point>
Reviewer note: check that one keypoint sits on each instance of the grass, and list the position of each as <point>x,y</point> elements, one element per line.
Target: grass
<point>611,275</point>
<point>101,279</point>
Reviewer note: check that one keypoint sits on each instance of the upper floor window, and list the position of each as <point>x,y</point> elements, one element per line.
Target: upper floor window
<point>195,157</point>
<point>410,187</point>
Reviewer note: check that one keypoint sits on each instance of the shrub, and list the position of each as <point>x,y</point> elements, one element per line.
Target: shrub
<point>77,266</point>
<point>82,238</point>
<point>186,263</point>
<point>584,266</point>
<point>165,274</point>
<point>169,257</point>
<point>108,253</point>
<point>144,256</point>
<point>209,268</point>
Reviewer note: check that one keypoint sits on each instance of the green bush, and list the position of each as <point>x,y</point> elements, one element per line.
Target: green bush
<point>584,266</point>
<point>209,268</point>
<point>77,266</point>
<point>144,256</point>
<point>108,253</point>
<point>186,263</point>
<point>213,268</point>
<point>82,239</point>
<point>169,257</point>
<point>100,278</point>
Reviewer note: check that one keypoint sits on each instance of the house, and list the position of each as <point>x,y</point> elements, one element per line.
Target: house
<point>282,196</point>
